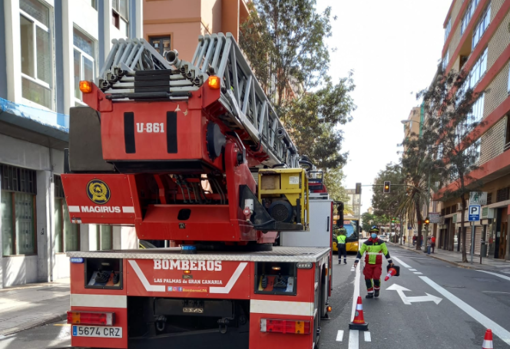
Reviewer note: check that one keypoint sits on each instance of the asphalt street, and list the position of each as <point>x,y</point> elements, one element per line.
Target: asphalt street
<point>432,304</point>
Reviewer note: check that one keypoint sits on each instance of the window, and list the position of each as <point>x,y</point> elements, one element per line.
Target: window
<point>162,44</point>
<point>36,52</point>
<point>83,62</point>
<point>17,210</point>
<point>67,234</point>
<point>468,15</point>
<point>475,75</point>
<point>509,81</point>
<point>120,17</point>
<point>503,194</point>
<point>439,152</point>
<point>445,60</point>
<point>477,111</point>
<point>473,151</point>
<point>448,29</point>
<point>482,25</point>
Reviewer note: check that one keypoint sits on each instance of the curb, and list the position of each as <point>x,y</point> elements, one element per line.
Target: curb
<point>438,258</point>
<point>29,326</point>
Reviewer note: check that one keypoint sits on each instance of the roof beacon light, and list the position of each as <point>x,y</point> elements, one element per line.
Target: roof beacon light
<point>85,86</point>
<point>214,82</point>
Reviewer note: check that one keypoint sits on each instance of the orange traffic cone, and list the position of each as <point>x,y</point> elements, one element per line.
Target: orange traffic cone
<point>487,341</point>
<point>359,321</point>
<point>391,272</point>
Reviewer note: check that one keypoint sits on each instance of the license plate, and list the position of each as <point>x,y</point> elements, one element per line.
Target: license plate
<point>97,331</point>
<point>193,310</point>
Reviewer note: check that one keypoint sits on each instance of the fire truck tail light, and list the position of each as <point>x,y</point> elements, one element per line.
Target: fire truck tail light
<point>90,318</point>
<point>85,86</point>
<point>285,326</point>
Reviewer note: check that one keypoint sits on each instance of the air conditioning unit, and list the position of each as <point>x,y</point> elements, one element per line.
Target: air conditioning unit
<point>459,206</point>
<point>487,213</point>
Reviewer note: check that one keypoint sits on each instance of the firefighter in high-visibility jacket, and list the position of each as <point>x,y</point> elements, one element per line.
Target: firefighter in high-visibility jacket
<point>374,249</point>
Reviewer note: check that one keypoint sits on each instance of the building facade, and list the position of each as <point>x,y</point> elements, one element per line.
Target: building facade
<point>177,24</point>
<point>46,48</point>
<point>477,41</point>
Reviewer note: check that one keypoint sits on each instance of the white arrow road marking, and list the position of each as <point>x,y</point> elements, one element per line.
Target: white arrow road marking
<point>401,263</point>
<point>475,314</point>
<point>368,338</point>
<point>495,274</point>
<point>408,300</point>
<point>340,336</point>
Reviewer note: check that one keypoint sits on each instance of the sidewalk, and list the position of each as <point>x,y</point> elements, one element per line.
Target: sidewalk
<point>455,258</point>
<point>27,306</point>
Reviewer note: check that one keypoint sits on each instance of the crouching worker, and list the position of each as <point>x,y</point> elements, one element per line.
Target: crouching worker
<point>374,249</point>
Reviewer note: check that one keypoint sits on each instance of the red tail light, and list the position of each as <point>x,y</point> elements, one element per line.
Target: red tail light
<point>285,326</point>
<point>90,318</point>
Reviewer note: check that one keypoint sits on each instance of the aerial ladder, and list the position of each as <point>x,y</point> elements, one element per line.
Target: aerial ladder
<point>192,153</point>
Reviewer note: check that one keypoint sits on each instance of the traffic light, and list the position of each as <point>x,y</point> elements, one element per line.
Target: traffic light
<point>358,188</point>
<point>387,187</point>
<point>427,221</point>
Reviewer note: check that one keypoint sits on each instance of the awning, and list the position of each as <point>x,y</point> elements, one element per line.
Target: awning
<point>41,121</point>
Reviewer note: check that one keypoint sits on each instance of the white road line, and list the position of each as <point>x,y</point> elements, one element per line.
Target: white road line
<point>495,274</point>
<point>401,263</point>
<point>418,273</point>
<point>353,339</point>
<point>354,334</point>
<point>340,336</point>
<point>475,314</point>
<point>356,291</point>
<point>413,270</point>
<point>368,338</point>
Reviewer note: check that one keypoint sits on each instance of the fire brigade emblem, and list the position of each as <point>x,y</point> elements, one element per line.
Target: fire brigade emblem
<point>98,192</point>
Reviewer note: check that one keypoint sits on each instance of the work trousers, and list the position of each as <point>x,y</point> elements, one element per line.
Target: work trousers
<point>342,251</point>
<point>372,272</point>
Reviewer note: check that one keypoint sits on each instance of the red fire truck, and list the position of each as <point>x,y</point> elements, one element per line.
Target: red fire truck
<point>192,153</point>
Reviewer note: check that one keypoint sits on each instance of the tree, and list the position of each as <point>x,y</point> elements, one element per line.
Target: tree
<point>456,131</point>
<point>418,167</point>
<point>286,40</point>
<point>369,219</point>
<point>333,180</point>
<point>312,121</point>
<point>388,203</point>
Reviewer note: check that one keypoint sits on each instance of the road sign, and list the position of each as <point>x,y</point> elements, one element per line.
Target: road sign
<point>474,213</point>
<point>408,300</point>
<point>478,198</point>
<point>435,217</point>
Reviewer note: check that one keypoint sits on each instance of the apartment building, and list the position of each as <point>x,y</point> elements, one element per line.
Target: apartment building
<point>477,40</point>
<point>46,48</point>
<point>177,24</point>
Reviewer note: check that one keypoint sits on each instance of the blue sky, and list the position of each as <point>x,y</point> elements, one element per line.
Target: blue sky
<point>394,47</point>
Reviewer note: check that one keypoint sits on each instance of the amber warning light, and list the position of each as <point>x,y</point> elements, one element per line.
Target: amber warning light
<point>85,86</point>
<point>214,82</point>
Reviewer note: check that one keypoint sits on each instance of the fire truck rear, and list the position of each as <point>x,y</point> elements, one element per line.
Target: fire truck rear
<point>192,153</point>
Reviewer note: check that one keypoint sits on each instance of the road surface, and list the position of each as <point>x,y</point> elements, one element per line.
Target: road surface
<point>432,304</point>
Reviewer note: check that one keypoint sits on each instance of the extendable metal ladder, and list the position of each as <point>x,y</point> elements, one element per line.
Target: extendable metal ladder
<point>132,63</point>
